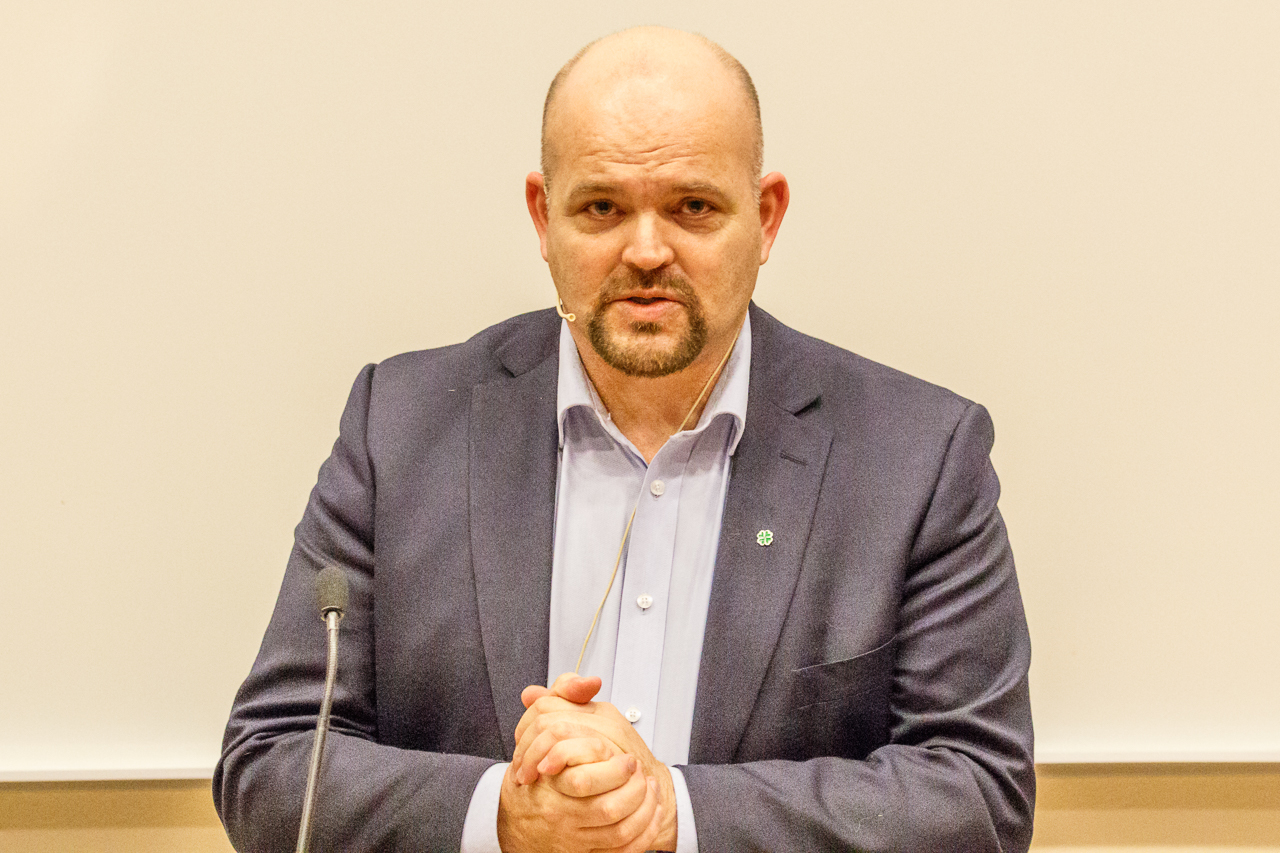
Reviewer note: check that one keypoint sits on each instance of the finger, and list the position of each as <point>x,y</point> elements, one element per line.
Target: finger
<point>540,739</point>
<point>546,703</point>
<point>604,718</point>
<point>577,688</point>
<point>533,693</point>
<point>531,715</point>
<point>575,723</point>
<point>550,704</point>
<point>636,832</point>
<point>594,778</point>
<point>573,752</point>
<point>536,741</point>
<point>610,807</point>
<point>531,725</point>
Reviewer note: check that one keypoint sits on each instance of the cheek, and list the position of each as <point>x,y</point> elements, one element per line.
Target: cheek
<point>587,254</point>
<point>578,275</point>
<point>561,254</point>
<point>728,269</point>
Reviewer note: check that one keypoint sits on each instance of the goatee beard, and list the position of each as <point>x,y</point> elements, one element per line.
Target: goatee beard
<point>643,358</point>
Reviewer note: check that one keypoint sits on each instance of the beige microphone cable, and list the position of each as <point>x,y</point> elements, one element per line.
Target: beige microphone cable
<point>627,532</point>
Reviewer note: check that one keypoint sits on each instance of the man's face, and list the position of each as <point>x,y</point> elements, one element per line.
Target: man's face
<point>652,229</point>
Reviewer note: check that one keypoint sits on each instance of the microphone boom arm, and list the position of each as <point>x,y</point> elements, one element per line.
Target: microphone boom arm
<point>331,618</point>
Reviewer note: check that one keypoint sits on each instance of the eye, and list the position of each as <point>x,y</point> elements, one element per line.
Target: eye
<point>601,207</point>
<point>696,206</point>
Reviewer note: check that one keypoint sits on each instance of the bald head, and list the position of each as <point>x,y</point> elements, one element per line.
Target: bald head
<point>651,211</point>
<point>605,70</point>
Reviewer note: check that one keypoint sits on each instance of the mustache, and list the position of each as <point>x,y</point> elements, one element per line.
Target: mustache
<point>659,279</point>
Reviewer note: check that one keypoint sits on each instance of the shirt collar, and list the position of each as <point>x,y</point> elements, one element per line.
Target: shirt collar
<point>729,396</point>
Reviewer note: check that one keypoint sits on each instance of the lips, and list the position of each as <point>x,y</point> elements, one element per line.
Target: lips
<point>649,298</point>
<point>647,308</point>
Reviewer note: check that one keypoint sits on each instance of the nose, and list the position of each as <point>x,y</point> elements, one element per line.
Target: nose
<point>647,248</point>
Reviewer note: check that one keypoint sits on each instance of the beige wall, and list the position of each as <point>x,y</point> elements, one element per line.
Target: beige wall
<point>211,215</point>
<point>1094,808</point>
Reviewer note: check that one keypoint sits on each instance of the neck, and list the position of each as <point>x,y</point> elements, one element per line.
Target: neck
<point>648,411</point>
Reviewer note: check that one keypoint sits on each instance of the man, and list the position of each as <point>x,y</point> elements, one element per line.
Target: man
<point>810,637</point>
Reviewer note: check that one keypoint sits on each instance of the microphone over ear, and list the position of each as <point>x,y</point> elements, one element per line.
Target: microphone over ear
<point>563,313</point>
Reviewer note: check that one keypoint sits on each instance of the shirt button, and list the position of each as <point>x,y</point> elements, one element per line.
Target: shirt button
<point>657,487</point>
<point>633,714</point>
<point>645,601</point>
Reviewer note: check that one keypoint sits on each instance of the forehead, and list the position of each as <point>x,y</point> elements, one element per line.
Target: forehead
<point>647,116</point>
<point>652,124</point>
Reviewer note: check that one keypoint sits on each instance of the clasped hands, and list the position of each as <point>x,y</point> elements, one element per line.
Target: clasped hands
<point>582,779</point>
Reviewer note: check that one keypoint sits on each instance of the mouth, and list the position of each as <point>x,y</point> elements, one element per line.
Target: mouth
<point>649,298</point>
<point>648,309</point>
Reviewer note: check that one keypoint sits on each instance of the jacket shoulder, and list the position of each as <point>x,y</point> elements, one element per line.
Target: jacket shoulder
<point>853,389</point>
<point>500,351</point>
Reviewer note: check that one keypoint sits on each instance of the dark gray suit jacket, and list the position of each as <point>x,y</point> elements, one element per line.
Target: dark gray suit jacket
<point>864,678</point>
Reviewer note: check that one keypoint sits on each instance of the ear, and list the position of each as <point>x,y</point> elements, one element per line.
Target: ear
<point>535,196</point>
<point>775,195</point>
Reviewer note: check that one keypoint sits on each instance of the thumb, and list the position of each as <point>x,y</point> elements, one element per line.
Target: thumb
<point>579,689</point>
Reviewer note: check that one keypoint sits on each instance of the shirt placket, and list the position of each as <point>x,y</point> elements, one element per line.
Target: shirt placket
<point>645,589</point>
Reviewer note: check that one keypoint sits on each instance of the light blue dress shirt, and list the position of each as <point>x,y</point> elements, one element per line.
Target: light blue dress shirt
<point>647,646</point>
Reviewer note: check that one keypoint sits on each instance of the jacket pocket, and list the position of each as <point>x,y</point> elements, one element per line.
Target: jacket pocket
<point>842,708</point>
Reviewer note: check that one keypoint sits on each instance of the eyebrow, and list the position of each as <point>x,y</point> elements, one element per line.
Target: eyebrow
<point>583,190</point>
<point>710,191</point>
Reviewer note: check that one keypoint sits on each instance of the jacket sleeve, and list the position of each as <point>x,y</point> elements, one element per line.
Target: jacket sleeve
<point>957,772</point>
<point>371,796</point>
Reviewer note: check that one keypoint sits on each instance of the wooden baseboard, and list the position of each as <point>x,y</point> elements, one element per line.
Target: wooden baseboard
<point>110,817</point>
<point>1183,806</point>
<point>1081,807</point>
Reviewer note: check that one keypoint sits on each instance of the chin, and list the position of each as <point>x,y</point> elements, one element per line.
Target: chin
<point>647,350</point>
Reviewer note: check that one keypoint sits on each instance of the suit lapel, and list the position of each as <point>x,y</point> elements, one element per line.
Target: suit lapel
<point>777,473</point>
<point>773,490</point>
<point>513,452</point>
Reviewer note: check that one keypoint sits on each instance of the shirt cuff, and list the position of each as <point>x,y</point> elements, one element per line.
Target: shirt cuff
<point>686,830</point>
<point>480,829</point>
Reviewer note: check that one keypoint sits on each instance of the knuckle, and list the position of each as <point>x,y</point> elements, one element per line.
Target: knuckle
<point>611,811</point>
<point>576,784</point>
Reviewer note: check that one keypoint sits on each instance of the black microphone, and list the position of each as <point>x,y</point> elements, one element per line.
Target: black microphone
<point>331,591</point>
<point>331,596</point>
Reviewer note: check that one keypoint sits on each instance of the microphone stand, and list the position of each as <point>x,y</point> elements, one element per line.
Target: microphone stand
<point>332,618</point>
